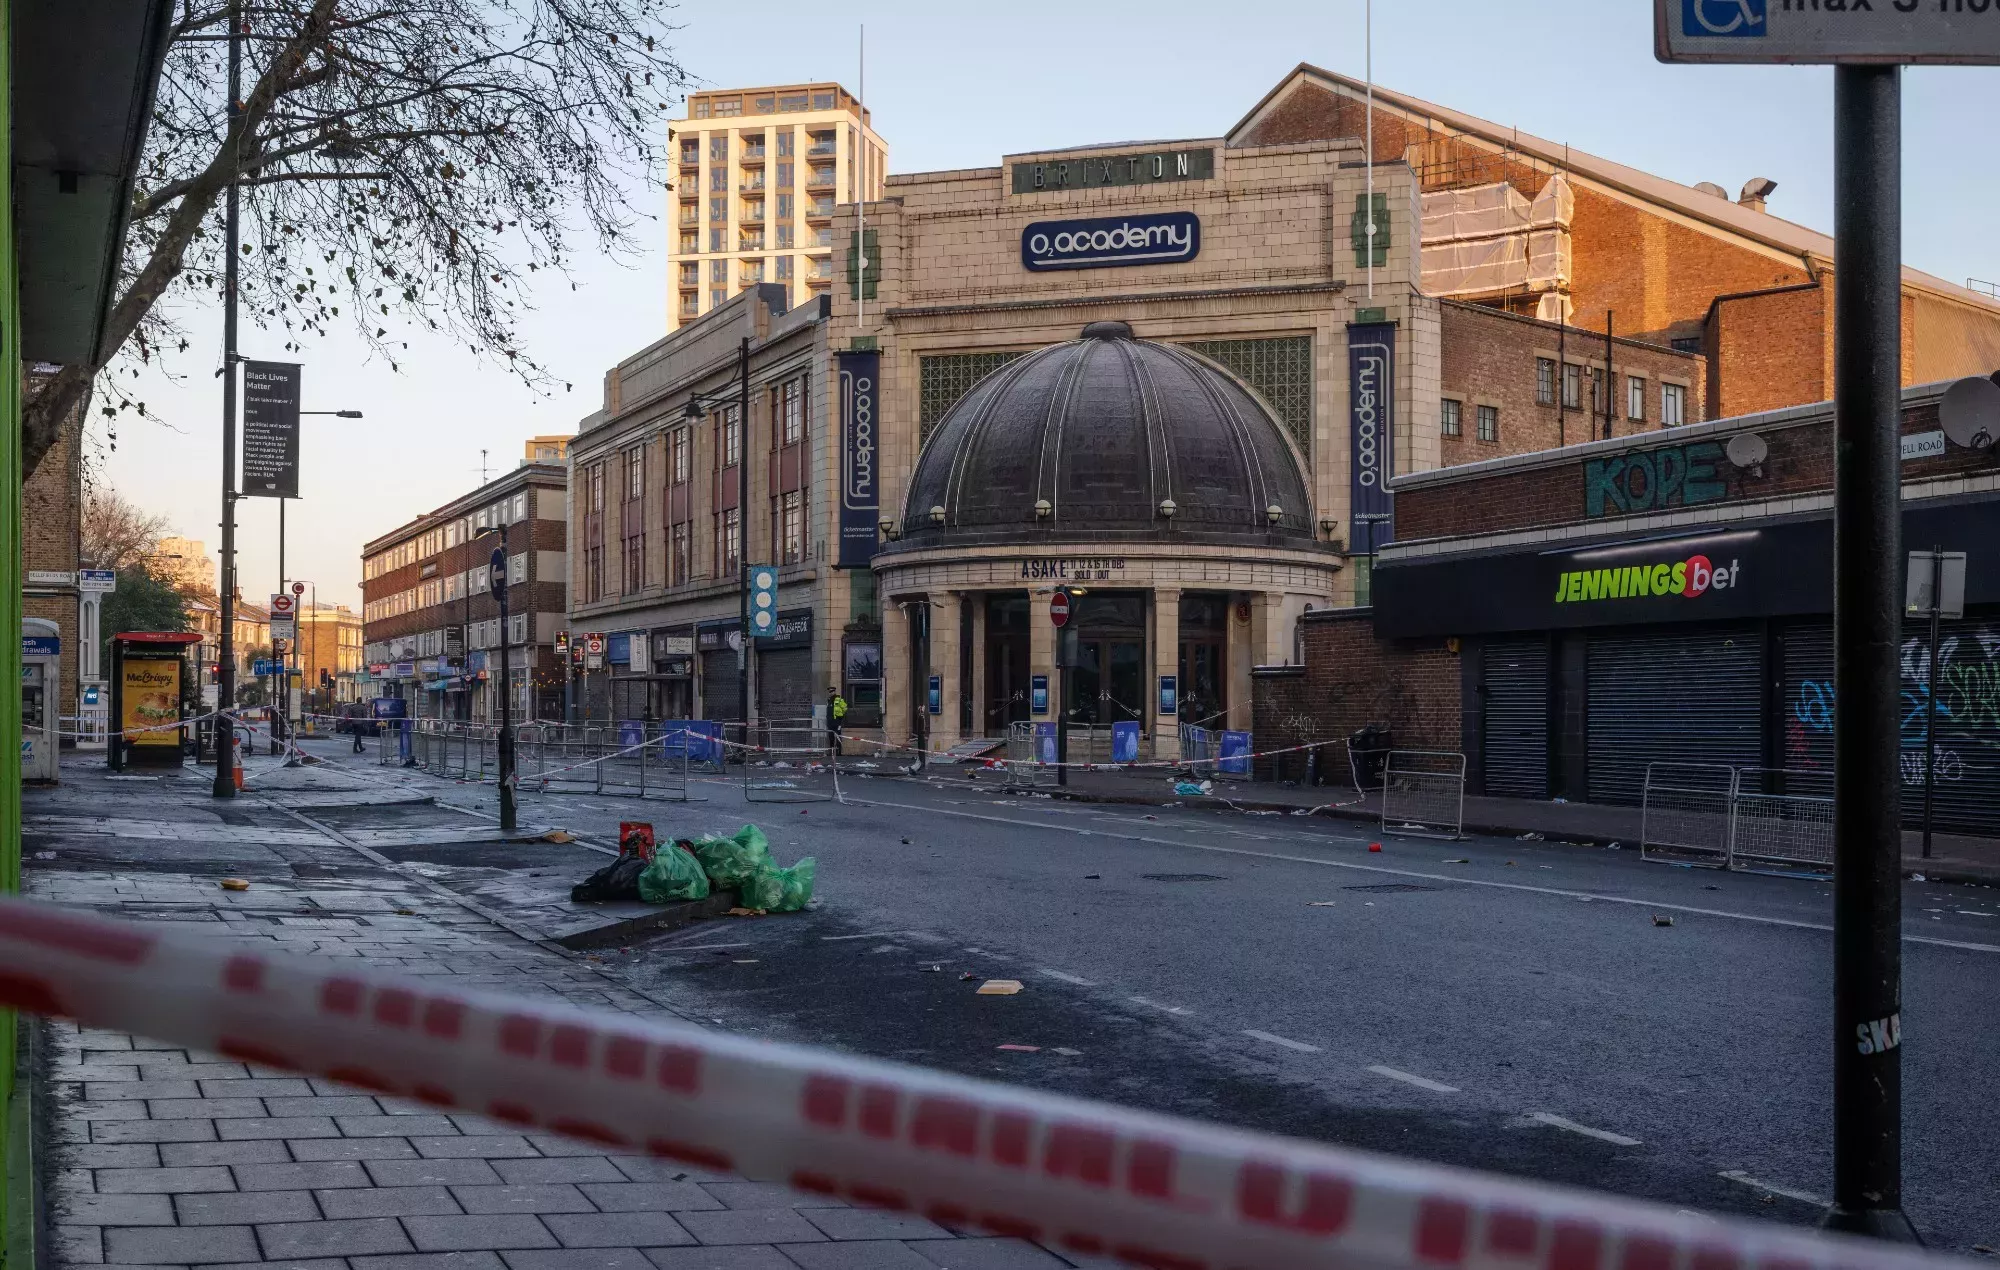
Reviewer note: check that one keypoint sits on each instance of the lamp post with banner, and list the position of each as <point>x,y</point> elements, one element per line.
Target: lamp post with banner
<point>1867,46</point>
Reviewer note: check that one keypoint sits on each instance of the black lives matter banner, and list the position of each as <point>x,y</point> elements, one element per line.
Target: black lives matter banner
<point>270,429</point>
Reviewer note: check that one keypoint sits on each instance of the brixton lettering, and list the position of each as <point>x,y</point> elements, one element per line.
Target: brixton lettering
<point>1688,578</point>
<point>1649,480</point>
<point>1114,169</point>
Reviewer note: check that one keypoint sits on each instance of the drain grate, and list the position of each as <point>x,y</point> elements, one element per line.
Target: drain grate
<point>1389,888</point>
<point>1183,877</point>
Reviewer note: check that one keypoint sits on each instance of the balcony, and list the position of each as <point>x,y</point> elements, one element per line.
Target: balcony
<point>820,209</point>
<point>751,242</point>
<point>822,268</point>
<point>823,236</point>
<point>823,145</point>
<point>690,214</point>
<point>753,154</point>
<point>752,180</point>
<point>820,177</point>
<point>752,211</point>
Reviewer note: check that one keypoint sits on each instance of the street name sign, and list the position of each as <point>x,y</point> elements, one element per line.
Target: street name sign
<point>1938,32</point>
<point>270,430</point>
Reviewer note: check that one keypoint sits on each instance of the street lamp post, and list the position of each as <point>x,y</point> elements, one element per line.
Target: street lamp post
<point>698,404</point>
<point>497,581</point>
<point>225,677</point>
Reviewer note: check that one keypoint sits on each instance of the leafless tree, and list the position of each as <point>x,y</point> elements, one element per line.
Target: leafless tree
<point>402,161</point>
<point>116,533</point>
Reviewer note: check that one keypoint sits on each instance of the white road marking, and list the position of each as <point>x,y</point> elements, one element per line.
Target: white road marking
<point>1170,1009</point>
<point>1285,1041</point>
<point>698,947</point>
<point>1738,1175</point>
<point>880,934</point>
<point>1435,1086</point>
<point>1459,878</point>
<point>1602,1135</point>
<point>1070,978</point>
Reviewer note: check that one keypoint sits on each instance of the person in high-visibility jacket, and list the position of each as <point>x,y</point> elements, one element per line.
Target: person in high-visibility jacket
<point>836,717</point>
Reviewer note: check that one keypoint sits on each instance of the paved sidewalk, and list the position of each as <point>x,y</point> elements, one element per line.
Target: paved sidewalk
<point>157,1156</point>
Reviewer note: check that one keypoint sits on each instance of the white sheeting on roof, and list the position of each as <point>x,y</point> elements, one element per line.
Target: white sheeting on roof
<point>1485,239</point>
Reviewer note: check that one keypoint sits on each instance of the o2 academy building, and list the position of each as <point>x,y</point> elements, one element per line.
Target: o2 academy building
<point>1171,379</point>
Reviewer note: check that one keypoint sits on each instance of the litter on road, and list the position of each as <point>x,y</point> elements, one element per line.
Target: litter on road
<point>235,884</point>
<point>999,988</point>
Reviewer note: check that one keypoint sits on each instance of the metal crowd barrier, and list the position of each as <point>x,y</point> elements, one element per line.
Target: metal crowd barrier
<point>1763,815</point>
<point>785,761</point>
<point>1684,808</point>
<point>1423,793</point>
<point>1030,750</point>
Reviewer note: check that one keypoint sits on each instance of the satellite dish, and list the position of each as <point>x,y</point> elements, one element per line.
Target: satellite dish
<point>1970,413</point>
<point>1747,449</point>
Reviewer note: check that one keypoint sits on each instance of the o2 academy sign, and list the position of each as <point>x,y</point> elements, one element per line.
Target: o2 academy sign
<point>1108,242</point>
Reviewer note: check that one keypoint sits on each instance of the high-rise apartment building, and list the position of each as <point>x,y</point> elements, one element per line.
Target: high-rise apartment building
<point>760,171</point>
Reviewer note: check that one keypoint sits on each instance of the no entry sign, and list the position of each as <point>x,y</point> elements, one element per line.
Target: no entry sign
<point>1059,608</point>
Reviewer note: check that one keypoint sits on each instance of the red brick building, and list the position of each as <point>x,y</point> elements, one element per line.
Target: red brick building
<point>1566,618</point>
<point>1515,222</point>
<point>430,623</point>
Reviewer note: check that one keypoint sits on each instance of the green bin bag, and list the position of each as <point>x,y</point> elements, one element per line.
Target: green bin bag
<point>732,861</point>
<point>781,890</point>
<point>673,875</point>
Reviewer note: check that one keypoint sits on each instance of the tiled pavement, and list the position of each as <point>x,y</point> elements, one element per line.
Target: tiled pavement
<point>165,1157</point>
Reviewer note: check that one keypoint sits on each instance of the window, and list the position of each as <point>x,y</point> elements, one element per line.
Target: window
<point>784,238</point>
<point>1673,405</point>
<point>635,473</point>
<point>1449,418</point>
<point>732,437</point>
<point>753,272</point>
<point>690,273</point>
<point>517,633</point>
<point>1489,423</point>
<point>701,110</point>
<point>680,563</point>
<point>718,147</point>
<point>593,573</point>
<point>728,107</point>
<point>1635,397</point>
<point>822,143</point>
<point>1572,386</point>
<point>691,150</point>
<point>718,210</point>
<point>1358,231</point>
<point>785,208</point>
<point>680,455</point>
<point>792,411</point>
<point>690,304</point>
<point>784,273</point>
<point>718,183</point>
<point>718,271</point>
<point>690,241</point>
<point>635,563</point>
<point>784,181</point>
<point>822,266</point>
<point>1596,390</point>
<point>822,174</point>
<point>1687,343</point>
<point>822,101</point>
<point>717,297</point>
<point>753,209</point>
<point>764,105</point>
<point>726,529</point>
<point>594,493</point>
<point>785,135</point>
<point>1545,381</point>
<point>791,528</point>
<point>715,239</point>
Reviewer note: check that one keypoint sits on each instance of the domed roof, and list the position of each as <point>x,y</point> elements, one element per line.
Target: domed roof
<point>1107,438</point>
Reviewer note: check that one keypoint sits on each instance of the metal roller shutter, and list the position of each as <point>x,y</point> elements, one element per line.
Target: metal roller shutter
<point>1968,724</point>
<point>1515,728</point>
<point>1670,697</point>
<point>720,698</point>
<point>784,685</point>
<point>1806,654</point>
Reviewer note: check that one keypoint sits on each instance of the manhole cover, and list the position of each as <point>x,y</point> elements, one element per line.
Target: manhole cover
<point>1183,877</point>
<point>1387,888</point>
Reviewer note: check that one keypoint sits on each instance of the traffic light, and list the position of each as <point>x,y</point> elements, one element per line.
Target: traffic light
<point>763,601</point>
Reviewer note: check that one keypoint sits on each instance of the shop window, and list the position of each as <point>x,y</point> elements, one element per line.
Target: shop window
<point>1489,423</point>
<point>1635,397</point>
<point>1449,418</point>
<point>943,380</point>
<point>1572,386</point>
<point>1280,370</point>
<point>1673,405</point>
<point>1545,381</point>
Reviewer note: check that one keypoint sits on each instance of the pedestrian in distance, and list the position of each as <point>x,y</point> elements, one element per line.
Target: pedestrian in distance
<point>836,717</point>
<point>354,724</point>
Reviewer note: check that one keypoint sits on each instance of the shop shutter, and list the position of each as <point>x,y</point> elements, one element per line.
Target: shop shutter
<point>1515,732</point>
<point>784,685</point>
<point>1684,696</point>
<point>1805,652</point>
<point>1967,798</point>
<point>720,699</point>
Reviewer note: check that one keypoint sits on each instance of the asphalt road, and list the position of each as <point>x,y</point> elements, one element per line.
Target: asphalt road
<point>1515,1006</point>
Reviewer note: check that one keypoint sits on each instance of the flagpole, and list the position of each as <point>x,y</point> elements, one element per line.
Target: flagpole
<point>861,187</point>
<point>1368,73</point>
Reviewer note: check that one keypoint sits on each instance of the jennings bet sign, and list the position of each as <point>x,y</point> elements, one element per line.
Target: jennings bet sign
<point>1682,579</point>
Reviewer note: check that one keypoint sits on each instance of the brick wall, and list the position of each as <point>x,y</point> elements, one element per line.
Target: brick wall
<point>1490,356</point>
<point>1800,461</point>
<point>1350,679</point>
<point>51,512</point>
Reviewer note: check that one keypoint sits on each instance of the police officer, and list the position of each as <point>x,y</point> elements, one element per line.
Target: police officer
<point>836,717</point>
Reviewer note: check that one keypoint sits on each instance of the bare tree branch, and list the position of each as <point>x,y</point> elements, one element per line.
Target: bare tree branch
<point>402,162</point>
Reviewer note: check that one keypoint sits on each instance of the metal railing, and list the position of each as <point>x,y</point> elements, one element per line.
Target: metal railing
<point>1727,815</point>
<point>1031,750</point>
<point>1684,808</point>
<point>785,761</point>
<point>1423,793</point>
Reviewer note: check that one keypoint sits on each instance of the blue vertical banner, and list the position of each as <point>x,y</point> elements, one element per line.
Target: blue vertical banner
<point>1371,417</point>
<point>860,487</point>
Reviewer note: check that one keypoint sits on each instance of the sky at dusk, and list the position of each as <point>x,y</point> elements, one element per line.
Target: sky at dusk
<point>953,85</point>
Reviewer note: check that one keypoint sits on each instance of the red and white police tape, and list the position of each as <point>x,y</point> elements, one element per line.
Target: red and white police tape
<point>1080,1176</point>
